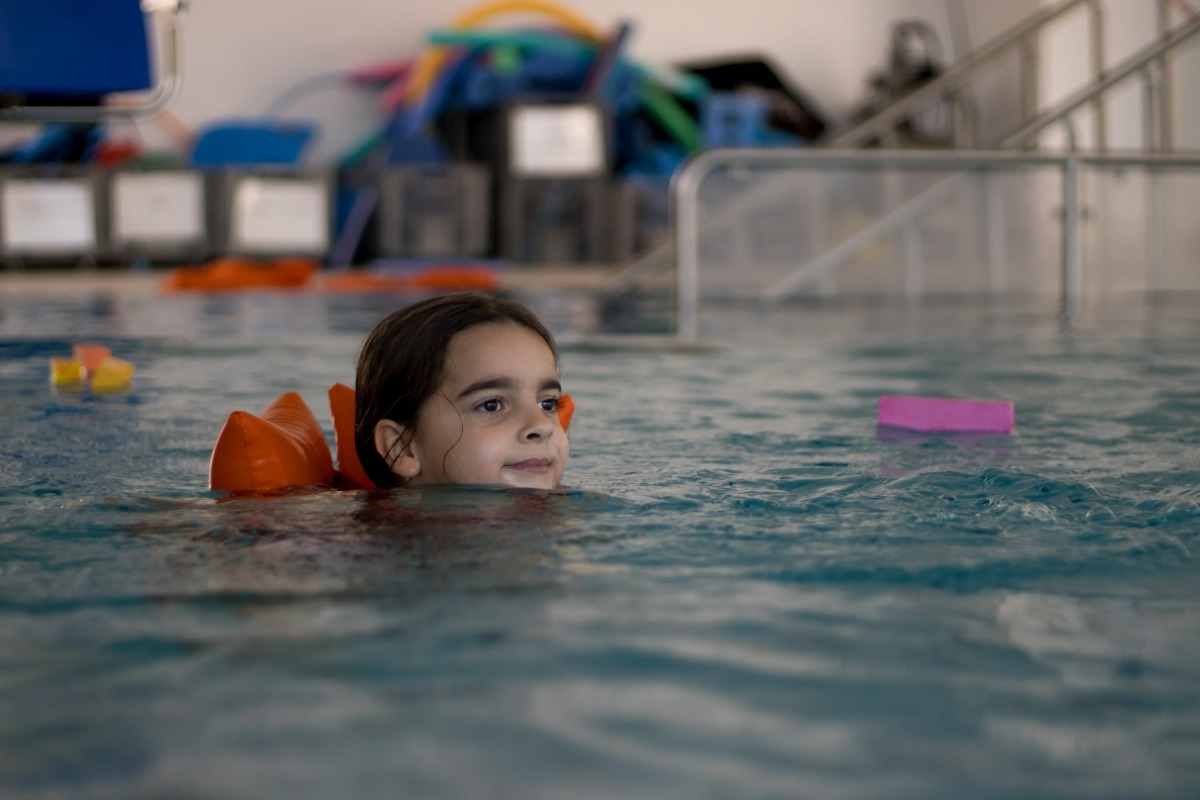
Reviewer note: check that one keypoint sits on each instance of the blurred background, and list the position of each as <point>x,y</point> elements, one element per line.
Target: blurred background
<point>375,133</point>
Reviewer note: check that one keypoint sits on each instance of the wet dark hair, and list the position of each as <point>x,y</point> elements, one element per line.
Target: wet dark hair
<point>402,360</point>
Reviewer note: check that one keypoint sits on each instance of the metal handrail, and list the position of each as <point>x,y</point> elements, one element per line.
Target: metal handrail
<point>687,181</point>
<point>160,95</point>
<point>1019,36</point>
<point>1166,114</point>
<point>1132,65</point>
<point>886,119</point>
<point>917,206</point>
<point>687,191</point>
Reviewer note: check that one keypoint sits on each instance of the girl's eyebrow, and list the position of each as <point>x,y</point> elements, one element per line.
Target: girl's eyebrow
<point>490,384</point>
<point>486,385</point>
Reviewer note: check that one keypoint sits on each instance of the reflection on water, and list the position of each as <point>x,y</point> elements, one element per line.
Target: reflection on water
<point>1099,642</point>
<point>373,543</point>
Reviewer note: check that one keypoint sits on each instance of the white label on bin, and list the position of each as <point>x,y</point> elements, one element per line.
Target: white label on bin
<point>160,208</point>
<point>556,141</point>
<point>48,216</point>
<point>272,215</point>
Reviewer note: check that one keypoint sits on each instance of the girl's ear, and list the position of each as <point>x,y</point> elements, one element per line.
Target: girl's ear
<point>395,451</point>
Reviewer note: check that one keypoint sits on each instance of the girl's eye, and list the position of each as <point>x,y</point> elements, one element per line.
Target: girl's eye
<point>550,404</point>
<point>489,406</point>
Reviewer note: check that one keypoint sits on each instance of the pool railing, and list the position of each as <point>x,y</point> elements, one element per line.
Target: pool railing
<point>773,225</point>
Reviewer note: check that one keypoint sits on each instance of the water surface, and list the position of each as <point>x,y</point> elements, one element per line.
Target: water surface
<point>747,589</point>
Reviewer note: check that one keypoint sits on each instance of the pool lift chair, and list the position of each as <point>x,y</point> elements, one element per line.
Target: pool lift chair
<point>87,61</point>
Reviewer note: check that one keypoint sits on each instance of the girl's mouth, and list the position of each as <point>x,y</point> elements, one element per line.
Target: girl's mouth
<point>531,465</point>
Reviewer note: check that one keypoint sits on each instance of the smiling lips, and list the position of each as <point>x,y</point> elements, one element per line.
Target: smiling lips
<point>531,465</point>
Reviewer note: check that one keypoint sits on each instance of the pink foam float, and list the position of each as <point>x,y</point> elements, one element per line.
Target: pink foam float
<point>938,414</point>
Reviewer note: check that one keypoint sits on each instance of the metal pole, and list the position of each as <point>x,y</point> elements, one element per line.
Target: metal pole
<point>1156,230</point>
<point>1030,60</point>
<point>687,246</point>
<point>1098,69</point>
<point>1150,101</point>
<point>1166,84</point>
<point>1072,277</point>
<point>996,243</point>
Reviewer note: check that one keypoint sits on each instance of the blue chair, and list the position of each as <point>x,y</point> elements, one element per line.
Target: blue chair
<point>229,143</point>
<point>61,60</point>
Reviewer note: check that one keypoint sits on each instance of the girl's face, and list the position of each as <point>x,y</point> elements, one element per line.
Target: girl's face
<point>493,419</point>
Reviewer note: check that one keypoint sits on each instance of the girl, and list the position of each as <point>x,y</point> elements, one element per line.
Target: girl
<point>460,389</point>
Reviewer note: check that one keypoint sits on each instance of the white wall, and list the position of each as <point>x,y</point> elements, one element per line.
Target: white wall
<point>239,55</point>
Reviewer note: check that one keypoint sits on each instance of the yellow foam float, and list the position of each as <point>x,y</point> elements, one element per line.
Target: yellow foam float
<point>92,365</point>
<point>110,375</point>
<point>65,371</point>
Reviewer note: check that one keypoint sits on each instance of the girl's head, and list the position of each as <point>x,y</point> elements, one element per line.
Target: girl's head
<point>462,388</point>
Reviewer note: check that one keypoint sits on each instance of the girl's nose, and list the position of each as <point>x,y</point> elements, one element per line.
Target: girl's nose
<point>537,424</point>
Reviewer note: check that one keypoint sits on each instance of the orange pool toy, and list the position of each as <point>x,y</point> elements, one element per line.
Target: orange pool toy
<point>90,354</point>
<point>233,274</point>
<point>434,278</point>
<point>283,447</point>
<point>351,474</point>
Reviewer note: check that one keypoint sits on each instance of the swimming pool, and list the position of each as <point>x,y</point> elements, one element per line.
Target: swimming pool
<point>749,592</point>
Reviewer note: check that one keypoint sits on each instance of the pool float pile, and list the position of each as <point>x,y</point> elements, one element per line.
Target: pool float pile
<point>284,447</point>
<point>94,366</point>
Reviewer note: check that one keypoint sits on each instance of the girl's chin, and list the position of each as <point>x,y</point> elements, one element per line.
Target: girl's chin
<point>522,479</point>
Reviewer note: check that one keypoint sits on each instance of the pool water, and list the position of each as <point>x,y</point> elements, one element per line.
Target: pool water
<point>747,591</point>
